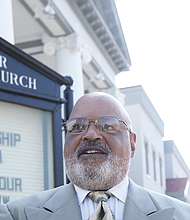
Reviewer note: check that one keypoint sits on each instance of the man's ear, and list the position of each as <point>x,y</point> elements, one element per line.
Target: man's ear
<point>133,143</point>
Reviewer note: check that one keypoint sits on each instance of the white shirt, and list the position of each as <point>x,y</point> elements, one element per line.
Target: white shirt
<point>116,203</point>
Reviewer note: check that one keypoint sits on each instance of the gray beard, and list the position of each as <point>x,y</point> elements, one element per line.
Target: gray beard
<point>102,176</point>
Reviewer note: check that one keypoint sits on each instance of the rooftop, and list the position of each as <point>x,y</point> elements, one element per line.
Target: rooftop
<point>137,95</point>
<point>170,147</point>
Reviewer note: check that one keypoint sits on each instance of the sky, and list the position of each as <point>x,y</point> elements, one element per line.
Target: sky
<point>157,34</point>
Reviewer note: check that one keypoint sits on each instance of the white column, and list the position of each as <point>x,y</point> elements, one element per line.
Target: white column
<point>6,21</point>
<point>70,52</point>
<point>68,63</point>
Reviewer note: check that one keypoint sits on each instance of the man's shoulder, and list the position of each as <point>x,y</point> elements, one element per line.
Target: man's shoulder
<point>164,200</point>
<point>158,201</point>
<point>38,199</point>
<point>42,204</point>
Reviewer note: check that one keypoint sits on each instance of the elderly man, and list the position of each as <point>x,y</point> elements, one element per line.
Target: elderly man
<point>98,149</point>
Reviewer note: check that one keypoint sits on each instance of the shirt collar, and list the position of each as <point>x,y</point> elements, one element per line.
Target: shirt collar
<point>81,193</point>
<point>120,191</point>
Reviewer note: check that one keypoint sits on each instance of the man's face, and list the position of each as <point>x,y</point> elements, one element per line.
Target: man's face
<point>96,160</point>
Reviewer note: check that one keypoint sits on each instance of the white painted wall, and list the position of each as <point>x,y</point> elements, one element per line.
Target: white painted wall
<point>144,126</point>
<point>174,169</point>
<point>149,127</point>
<point>137,164</point>
<point>6,21</point>
<point>168,165</point>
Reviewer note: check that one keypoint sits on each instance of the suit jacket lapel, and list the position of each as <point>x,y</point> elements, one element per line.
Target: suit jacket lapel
<point>139,205</point>
<point>62,205</point>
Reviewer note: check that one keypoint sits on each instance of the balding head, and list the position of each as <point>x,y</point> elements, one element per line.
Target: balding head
<point>100,104</point>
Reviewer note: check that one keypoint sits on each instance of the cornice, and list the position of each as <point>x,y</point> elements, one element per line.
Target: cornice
<point>104,27</point>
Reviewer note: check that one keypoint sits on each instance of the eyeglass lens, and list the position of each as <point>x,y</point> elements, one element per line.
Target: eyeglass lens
<point>107,124</point>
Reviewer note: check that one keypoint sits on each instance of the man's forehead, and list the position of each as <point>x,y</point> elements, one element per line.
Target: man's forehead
<point>97,104</point>
<point>89,107</point>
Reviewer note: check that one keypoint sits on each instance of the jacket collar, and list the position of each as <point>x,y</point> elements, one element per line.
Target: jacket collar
<point>139,205</point>
<point>63,204</point>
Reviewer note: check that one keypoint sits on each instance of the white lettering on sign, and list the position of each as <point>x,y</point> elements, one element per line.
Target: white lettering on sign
<point>14,78</point>
<point>3,61</point>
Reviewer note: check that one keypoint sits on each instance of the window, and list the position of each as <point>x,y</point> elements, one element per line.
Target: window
<point>154,163</point>
<point>160,165</point>
<point>146,158</point>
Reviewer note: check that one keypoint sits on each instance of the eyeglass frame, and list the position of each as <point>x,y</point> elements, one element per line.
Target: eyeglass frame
<point>119,120</point>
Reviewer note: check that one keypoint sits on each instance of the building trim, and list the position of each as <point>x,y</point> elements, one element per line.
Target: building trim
<point>170,147</point>
<point>136,95</point>
<point>96,26</point>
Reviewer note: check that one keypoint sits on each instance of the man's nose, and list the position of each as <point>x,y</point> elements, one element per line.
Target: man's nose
<point>92,133</point>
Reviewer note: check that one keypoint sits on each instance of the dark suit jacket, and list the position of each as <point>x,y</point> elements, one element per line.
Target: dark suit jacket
<point>62,204</point>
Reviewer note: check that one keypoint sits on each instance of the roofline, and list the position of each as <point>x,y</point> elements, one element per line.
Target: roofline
<point>137,95</point>
<point>170,147</point>
<point>100,32</point>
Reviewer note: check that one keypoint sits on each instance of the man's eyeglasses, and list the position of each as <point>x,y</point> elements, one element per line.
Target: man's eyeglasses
<point>109,124</point>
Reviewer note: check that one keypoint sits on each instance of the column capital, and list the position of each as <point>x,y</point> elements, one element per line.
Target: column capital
<point>73,42</point>
<point>49,44</point>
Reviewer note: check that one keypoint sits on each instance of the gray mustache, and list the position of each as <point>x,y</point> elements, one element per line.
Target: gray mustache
<point>88,143</point>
